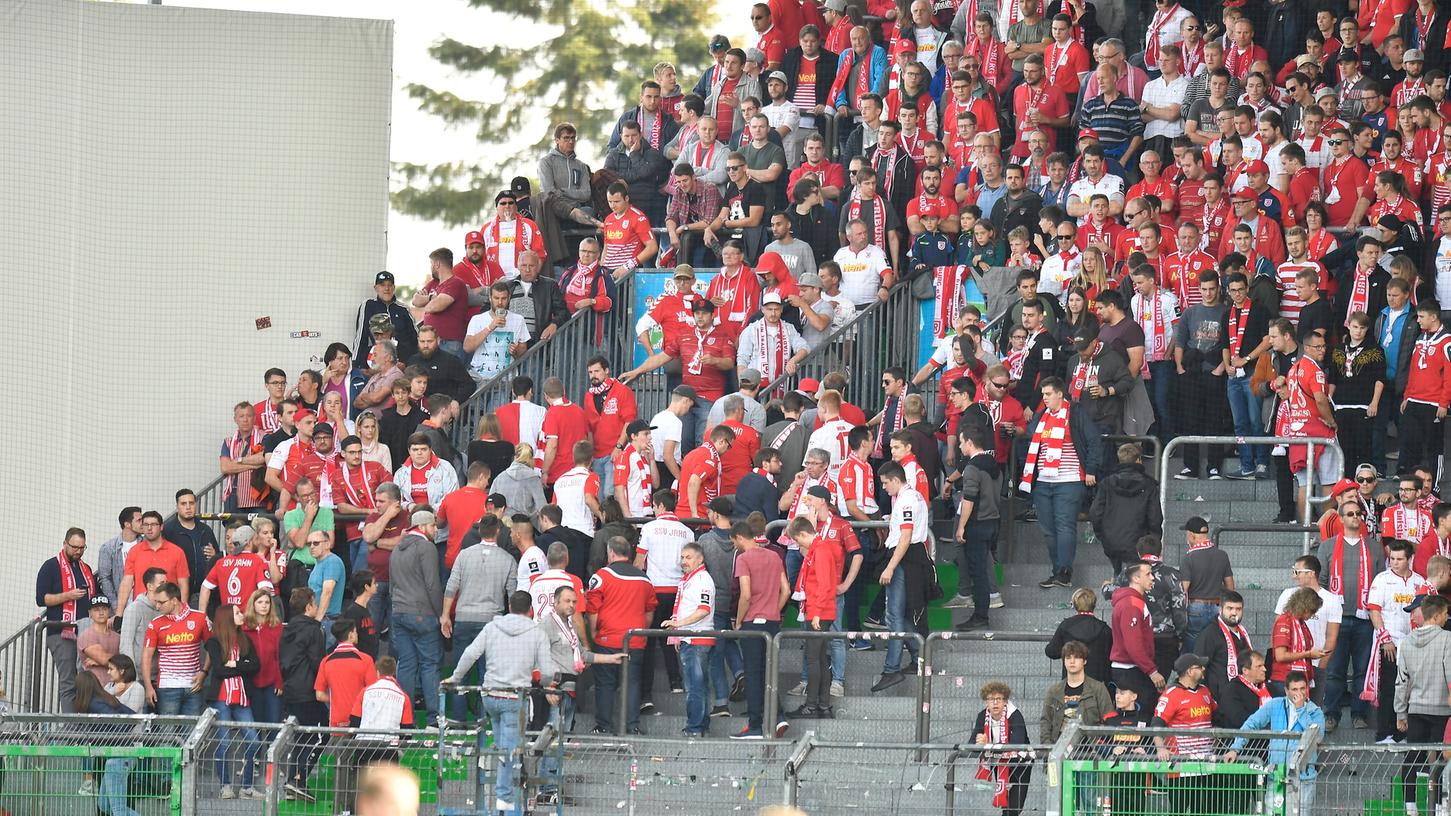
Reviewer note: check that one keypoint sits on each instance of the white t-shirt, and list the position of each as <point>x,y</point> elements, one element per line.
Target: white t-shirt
<point>637,484</point>
<point>1058,270</point>
<point>843,312</point>
<point>661,541</point>
<point>493,355</point>
<point>1274,159</point>
<point>861,272</point>
<point>1085,189</point>
<point>532,564</point>
<point>569,493</point>
<point>908,507</point>
<point>508,230</point>
<point>1330,612</point>
<point>832,438</point>
<point>1390,594</point>
<point>668,428</point>
<point>544,586</point>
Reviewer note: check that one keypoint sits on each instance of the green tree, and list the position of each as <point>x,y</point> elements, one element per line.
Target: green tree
<point>587,70</point>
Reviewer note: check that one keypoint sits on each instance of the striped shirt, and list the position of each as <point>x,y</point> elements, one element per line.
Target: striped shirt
<point>178,640</point>
<point>1116,122</point>
<point>1290,302</point>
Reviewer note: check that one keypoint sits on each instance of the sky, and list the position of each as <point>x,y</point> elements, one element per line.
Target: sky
<point>418,137</point>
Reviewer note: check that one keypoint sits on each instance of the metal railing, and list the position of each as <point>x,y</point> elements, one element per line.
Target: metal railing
<point>773,697</point>
<point>1310,444</point>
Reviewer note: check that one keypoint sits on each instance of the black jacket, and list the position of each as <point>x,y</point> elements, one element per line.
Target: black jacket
<point>1084,433</point>
<point>1434,44</point>
<point>1212,647</point>
<point>668,127</point>
<point>644,171</point>
<point>1236,701</point>
<point>405,331</point>
<point>1091,632</point>
<point>549,308</point>
<point>1045,359</point>
<point>1125,507</point>
<point>904,181</point>
<point>1345,278</point>
<point>446,374</point>
<point>825,74</point>
<point>300,652</point>
<point>1111,372</point>
<point>247,667</point>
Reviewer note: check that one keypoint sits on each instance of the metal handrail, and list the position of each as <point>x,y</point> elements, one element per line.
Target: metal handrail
<point>772,700</point>
<point>1310,442</point>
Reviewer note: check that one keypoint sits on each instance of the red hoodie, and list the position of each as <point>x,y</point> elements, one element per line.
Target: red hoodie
<point>1133,631</point>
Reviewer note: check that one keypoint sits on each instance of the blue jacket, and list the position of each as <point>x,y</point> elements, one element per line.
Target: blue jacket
<point>875,75</point>
<point>1275,716</point>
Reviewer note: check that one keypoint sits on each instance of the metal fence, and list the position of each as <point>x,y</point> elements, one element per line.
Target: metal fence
<point>28,681</point>
<point>1379,779</point>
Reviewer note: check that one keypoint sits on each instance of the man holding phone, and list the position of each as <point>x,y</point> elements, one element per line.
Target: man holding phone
<point>495,337</point>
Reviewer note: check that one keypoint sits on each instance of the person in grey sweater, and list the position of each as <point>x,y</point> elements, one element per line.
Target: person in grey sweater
<point>476,591</point>
<point>1423,673</point>
<point>520,484</point>
<point>564,192</point>
<point>416,638</point>
<point>139,614</point>
<point>720,563</point>
<point>1199,341</point>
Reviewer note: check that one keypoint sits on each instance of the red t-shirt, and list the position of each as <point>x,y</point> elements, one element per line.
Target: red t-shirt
<point>378,557</point>
<point>168,557</point>
<point>617,410</point>
<point>625,236</point>
<point>237,576</point>
<point>1340,186</point>
<point>565,421</point>
<point>451,322</point>
<point>460,510</point>
<point>764,568</point>
<point>827,174</point>
<point>740,457</point>
<point>773,46</point>
<point>343,675</point>
<point>707,380</point>
<point>1048,101</point>
<point>702,462</point>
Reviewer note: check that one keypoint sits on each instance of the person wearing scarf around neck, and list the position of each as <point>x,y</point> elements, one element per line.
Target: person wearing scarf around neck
<point>1353,561</point>
<point>1001,725</point>
<point>64,587</point>
<point>1225,645</point>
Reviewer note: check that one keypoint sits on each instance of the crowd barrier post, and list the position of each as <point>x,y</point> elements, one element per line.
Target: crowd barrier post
<point>798,757</point>
<point>276,758</point>
<point>622,700</point>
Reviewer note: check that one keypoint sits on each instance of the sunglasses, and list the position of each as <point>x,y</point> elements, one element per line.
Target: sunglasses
<point>1003,384</point>
<point>1335,142</point>
<point>1065,237</point>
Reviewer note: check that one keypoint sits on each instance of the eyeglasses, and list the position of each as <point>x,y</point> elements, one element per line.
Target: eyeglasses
<point>277,382</point>
<point>1004,383</point>
<point>1134,214</point>
<point>1350,513</point>
<point>1335,142</point>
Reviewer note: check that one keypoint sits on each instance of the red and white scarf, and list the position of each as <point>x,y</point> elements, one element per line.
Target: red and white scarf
<point>1370,692</point>
<point>1054,59</point>
<point>1085,375</point>
<point>773,365</point>
<point>879,218</point>
<point>1359,293</point>
<point>68,582</point>
<point>707,158</point>
<point>988,52</point>
<point>1156,328</point>
<point>1193,57</point>
<point>1232,661</point>
<point>418,479</point>
<point>365,497</point>
<point>268,419</point>
<point>996,772</point>
<point>884,176</point>
<point>1238,321</point>
<point>1407,523</point>
<point>580,282</point>
<point>571,636</point>
<point>1048,442</point>
<point>1337,566</point>
<point>1156,26</point>
<point>1237,60</point>
<point>523,236</point>
<point>1201,545</point>
<point>1261,692</point>
<point>947,280</point>
<point>1014,360</point>
<point>760,471</point>
<point>654,138</point>
<point>234,690</point>
<point>861,81</point>
<point>237,448</point>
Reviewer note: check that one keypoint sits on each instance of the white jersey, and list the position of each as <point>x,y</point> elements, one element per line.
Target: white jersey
<point>532,564</point>
<point>569,492</point>
<point>832,438</point>
<point>661,541</point>
<point>1390,594</point>
<point>544,587</point>
<point>632,472</point>
<point>382,706</point>
<point>1330,612</point>
<point>908,507</point>
<point>696,592</point>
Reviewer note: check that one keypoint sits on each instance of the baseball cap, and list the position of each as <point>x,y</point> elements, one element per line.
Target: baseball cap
<point>904,46</point>
<point>474,237</point>
<point>519,186</point>
<point>702,305</point>
<point>750,375</point>
<point>779,76</point>
<point>686,391</point>
<point>1342,486</point>
<point>838,6</point>
<point>1390,222</point>
<point>322,429</point>
<point>685,271</point>
<point>303,413</point>
<point>243,535</point>
<point>1196,524</point>
<point>810,279</point>
<point>638,426</point>
<point>1087,133</point>
<point>100,600</point>
<point>383,277</point>
<point>809,386</point>
<point>380,322</point>
<point>1187,662</point>
<point>1324,92</point>
<point>771,297</point>
<point>1413,55</point>
<point>932,209</point>
<point>1305,59</point>
<point>1257,166</point>
<point>1347,55</point>
<point>721,505</point>
<point>756,55</point>
<point>1245,194</point>
<point>819,491</point>
<point>422,517</point>
<point>720,43</point>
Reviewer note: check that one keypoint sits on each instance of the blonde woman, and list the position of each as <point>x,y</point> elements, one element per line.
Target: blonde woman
<point>373,451</point>
<point>520,483</point>
<point>1092,275</point>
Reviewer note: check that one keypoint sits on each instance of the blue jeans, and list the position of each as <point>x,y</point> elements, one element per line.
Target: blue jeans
<point>726,654</point>
<point>113,787</point>
<point>607,685</point>
<point>693,660</point>
<point>837,647</point>
<point>1058,504</point>
<point>239,714</point>
<point>504,720</point>
<point>604,468</point>
<point>418,644</point>
<point>794,560</point>
<point>1347,665</point>
<point>267,705</point>
<point>182,701</point>
<point>1160,384</point>
<point>381,607</point>
<point>692,425</point>
<point>897,620</point>
<point>1201,617</point>
<point>329,642</point>
<point>562,715</point>
<point>753,656</point>
<point>464,633</point>
<point>1245,407</point>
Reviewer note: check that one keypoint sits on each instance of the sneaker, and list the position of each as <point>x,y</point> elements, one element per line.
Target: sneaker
<point>798,690</point>
<point>600,732</point>
<point>250,792</point>
<point>720,711</point>
<point>299,790</point>
<point>838,688</point>
<point>1049,582</point>
<point>781,728</point>
<point>958,601</point>
<point>971,624</point>
<point>1387,740</point>
<point>501,806</point>
<point>88,787</point>
<point>827,713</point>
<point>227,793</point>
<point>874,623</point>
<point>1359,722</point>
<point>1262,472</point>
<point>738,689</point>
<point>1331,724</point>
<point>1214,474</point>
<point>646,706</point>
<point>805,712</point>
<point>637,731</point>
<point>1238,475</point>
<point>861,645</point>
<point>995,601</point>
<point>1186,473</point>
<point>546,797</point>
<point>748,733</point>
<point>887,680</point>
<point>1063,579</point>
<point>676,688</point>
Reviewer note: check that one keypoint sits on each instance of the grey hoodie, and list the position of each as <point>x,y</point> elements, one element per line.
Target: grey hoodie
<point>521,487</point>
<point>565,175</point>
<point>139,614</point>
<point>720,562</point>
<point>480,582</point>
<point>513,648</point>
<point>1423,672</point>
<point>413,577</point>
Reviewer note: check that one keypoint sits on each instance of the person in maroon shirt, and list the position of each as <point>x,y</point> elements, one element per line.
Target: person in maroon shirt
<point>706,353</point>
<point>443,303</point>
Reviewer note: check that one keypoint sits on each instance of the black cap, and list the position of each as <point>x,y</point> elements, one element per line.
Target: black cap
<point>719,43</point>
<point>819,491</point>
<point>1195,524</point>
<point>383,277</point>
<point>702,305</point>
<point>323,429</point>
<point>519,185</point>
<point>498,500</point>
<point>1187,662</point>
<point>721,505</point>
<point>638,426</point>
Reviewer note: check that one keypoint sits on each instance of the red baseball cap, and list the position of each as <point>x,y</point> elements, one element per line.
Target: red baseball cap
<point>1087,133</point>
<point>1342,486</point>
<point>474,237</point>
<point>904,46</point>
<point>1257,166</point>
<point>1245,194</point>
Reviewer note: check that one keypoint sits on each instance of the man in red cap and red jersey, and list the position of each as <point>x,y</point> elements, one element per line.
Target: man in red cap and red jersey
<point>473,270</point>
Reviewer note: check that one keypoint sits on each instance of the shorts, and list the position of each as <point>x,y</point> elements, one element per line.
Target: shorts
<point>1327,465</point>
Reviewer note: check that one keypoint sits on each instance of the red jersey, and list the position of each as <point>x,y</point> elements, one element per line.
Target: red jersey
<point>625,236</point>
<point>1105,234</point>
<point>857,484</point>
<point>1402,208</point>
<point>1212,221</point>
<point>1181,276</point>
<point>1341,181</point>
<point>343,675</point>
<point>705,463</point>
<point>265,415</point>
<point>1294,635</point>
<point>620,598</point>
<point>1063,64</point>
<point>1403,167</point>
<point>1269,238</point>
<point>1048,101</point>
<point>1190,710</point>
<point>773,45</point>
<point>632,472</point>
<point>460,510</point>
<point>1430,374</point>
<point>476,276</point>
<point>357,488</point>
<point>740,457</point>
<point>1430,545</point>
<point>565,422</point>
<point>238,576</point>
<point>178,640</point>
<point>690,347</point>
<point>1189,199</point>
<point>1299,415</point>
<point>1159,188</point>
<point>1405,523</point>
<point>1303,188</point>
<point>827,174</point>
<point>609,413</point>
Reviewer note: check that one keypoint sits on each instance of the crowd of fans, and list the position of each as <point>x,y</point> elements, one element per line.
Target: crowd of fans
<point>844,153</point>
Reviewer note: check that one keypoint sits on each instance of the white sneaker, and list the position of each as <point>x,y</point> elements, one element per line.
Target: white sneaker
<point>995,600</point>
<point>958,601</point>
<point>251,793</point>
<point>503,807</point>
<point>227,793</point>
<point>838,689</point>
<point>799,690</point>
